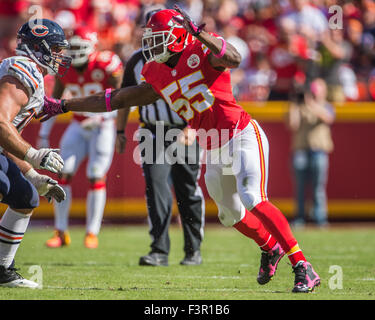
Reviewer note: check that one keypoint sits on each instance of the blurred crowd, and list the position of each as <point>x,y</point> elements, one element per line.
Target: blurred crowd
<point>283,43</point>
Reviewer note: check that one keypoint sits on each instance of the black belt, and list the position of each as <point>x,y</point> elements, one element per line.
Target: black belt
<point>152,127</point>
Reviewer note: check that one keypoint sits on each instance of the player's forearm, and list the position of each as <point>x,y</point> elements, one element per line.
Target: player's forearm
<point>97,102</point>
<point>120,98</point>
<point>11,141</point>
<point>93,103</point>
<point>230,57</point>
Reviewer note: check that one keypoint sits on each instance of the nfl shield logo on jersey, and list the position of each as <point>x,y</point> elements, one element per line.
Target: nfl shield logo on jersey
<point>193,61</point>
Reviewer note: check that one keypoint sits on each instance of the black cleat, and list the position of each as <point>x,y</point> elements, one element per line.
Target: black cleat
<point>192,259</point>
<point>11,279</point>
<point>154,259</point>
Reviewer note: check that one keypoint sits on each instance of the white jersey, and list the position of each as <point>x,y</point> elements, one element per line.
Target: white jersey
<point>26,71</point>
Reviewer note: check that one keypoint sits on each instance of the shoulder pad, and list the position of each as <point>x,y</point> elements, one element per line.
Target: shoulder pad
<point>26,72</point>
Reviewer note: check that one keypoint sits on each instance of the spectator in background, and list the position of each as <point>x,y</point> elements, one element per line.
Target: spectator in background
<point>287,57</point>
<point>258,41</point>
<point>348,81</point>
<point>11,18</point>
<point>309,119</point>
<point>308,19</point>
<point>231,34</point>
<point>334,52</point>
<point>259,80</point>
<point>361,58</point>
<point>227,10</point>
<point>194,8</point>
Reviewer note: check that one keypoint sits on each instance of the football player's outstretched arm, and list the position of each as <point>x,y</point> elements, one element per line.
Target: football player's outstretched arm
<point>139,95</point>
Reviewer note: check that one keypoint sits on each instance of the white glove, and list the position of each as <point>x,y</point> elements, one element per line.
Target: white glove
<point>45,158</point>
<point>91,122</point>
<point>42,142</point>
<point>46,186</point>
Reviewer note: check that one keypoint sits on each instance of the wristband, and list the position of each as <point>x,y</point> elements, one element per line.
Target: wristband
<point>30,154</point>
<point>223,48</point>
<point>120,131</point>
<point>31,174</point>
<point>108,99</point>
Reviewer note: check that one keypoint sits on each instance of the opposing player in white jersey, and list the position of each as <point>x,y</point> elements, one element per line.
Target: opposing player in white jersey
<point>89,135</point>
<point>21,98</point>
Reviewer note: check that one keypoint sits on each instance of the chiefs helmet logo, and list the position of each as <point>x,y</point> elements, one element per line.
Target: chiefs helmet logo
<point>39,31</point>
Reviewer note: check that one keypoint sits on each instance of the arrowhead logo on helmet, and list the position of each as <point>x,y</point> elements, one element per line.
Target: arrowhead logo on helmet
<point>39,31</point>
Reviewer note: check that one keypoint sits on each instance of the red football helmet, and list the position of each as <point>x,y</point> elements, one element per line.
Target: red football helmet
<point>163,36</point>
<point>82,45</point>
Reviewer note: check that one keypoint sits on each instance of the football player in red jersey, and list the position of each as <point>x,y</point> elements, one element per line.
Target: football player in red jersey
<point>89,135</point>
<point>189,68</point>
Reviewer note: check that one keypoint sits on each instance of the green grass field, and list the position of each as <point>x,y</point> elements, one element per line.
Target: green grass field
<point>229,269</point>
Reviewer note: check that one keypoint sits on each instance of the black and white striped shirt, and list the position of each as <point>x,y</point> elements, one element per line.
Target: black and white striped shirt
<point>158,111</point>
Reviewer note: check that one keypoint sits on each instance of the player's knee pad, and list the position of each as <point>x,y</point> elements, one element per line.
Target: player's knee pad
<point>26,197</point>
<point>22,193</point>
<point>30,198</point>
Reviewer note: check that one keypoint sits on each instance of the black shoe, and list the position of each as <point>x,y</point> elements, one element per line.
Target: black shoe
<point>192,259</point>
<point>154,259</point>
<point>11,279</point>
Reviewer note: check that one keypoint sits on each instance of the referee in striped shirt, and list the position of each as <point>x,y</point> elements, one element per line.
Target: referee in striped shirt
<point>159,177</point>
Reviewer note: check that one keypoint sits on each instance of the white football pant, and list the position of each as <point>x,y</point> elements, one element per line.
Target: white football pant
<point>237,173</point>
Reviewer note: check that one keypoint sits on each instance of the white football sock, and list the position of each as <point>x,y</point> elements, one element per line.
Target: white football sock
<point>95,204</point>
<point>13,225</point>
<point>62,209</point>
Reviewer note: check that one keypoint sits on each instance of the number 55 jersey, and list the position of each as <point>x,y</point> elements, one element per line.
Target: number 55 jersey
<point>199,93</point>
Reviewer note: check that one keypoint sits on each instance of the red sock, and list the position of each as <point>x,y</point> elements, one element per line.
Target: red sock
<point>251,227</point>
<point>275,222</point>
